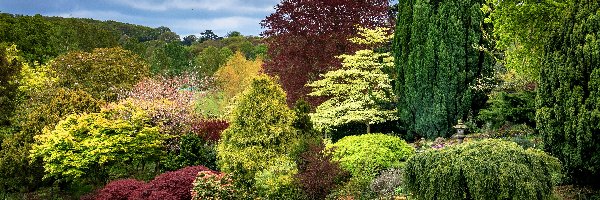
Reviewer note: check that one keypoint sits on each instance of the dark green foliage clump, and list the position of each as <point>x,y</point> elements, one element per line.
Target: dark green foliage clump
<point>488,169</point>
<point>439,62</point>
<point>507,107</point>
<point>10,66</point>
<point>193,150</point>
<point>568,101</point>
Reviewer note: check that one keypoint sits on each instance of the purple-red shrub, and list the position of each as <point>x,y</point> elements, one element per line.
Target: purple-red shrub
<point>318,174</point>
<point>210,129</point>
<point>174,185</point>
<point>119,189</point>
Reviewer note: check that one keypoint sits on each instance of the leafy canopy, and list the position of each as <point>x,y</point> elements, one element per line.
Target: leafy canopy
<point>521,28</point>
<point>103,73</point>
<point>305,36</point>
<point>85,146</point>
<point>360,91</point>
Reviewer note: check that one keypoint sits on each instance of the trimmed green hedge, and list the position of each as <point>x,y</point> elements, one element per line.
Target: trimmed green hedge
<point>488,169</point>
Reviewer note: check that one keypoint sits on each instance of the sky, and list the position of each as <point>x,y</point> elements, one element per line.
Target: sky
<point>184,17</point>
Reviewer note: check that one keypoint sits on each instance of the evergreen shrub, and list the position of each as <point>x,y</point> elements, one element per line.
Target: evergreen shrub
<point>193,150</point>
<point>364,156</point>
<point>371,153</point>
<point>487,169</point>
<point>259,144</point>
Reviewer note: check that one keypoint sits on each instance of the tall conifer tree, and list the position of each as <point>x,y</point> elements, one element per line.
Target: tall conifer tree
<point>439,60</point>
<point>568,102</point>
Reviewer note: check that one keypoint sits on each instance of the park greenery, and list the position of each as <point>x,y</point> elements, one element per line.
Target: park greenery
<point>335,100</point>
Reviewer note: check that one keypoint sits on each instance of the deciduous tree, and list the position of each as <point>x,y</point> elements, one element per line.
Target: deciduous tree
<point>303,38</point>
<point>360,91</point>
<point>521,28</point>
<point>10,68</point>
<point>237,74</point>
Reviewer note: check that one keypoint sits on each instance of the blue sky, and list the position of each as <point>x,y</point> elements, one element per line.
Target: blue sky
<point>185,17</point>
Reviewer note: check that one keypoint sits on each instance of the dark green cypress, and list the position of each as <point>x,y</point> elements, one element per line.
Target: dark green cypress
<point>438,63</point>
<point>568,101</point>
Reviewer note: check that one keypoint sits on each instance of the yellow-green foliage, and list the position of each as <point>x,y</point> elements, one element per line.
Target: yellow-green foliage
<point>360,91</point>
<point>488,169</point>
<point>370,153</point>
<point>258,143</point>
<point>87,145</point>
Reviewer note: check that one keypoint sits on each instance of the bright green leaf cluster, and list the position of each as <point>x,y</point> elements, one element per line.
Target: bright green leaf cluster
<point>521,28</point>
<point>87,145</point>
<point>489,169</point>
<point>371,153</point>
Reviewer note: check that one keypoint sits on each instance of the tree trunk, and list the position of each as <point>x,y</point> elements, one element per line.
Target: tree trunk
<point>368,128</point>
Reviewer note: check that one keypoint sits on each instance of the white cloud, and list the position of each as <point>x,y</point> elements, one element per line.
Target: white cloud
<point>210,5</point>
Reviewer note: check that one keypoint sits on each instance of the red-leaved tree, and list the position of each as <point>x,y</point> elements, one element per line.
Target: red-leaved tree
<point>304,36</point>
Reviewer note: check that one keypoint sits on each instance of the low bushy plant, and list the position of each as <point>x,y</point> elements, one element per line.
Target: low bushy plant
<point>371,153</point>
<point>193,150</point>
<point>364,156</point>
<point>84,147</point>
<point>388,183</point>
<point>170,185</point>
<point>487,169</point>
<point>213,186</point>
<point>318,174</point>
<point>119,189</point>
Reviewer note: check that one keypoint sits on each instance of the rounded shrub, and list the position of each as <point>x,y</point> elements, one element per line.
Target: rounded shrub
<point>193,150</point>
<point>364,156</point>
<point>487,169</point>
<point>119,189</point>
<point>371,153</point>
<point>171,185</point>
<point>213,185</point>
<point>318,175</point>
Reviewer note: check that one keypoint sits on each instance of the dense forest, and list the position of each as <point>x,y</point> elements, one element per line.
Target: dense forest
<point>419,99</point>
